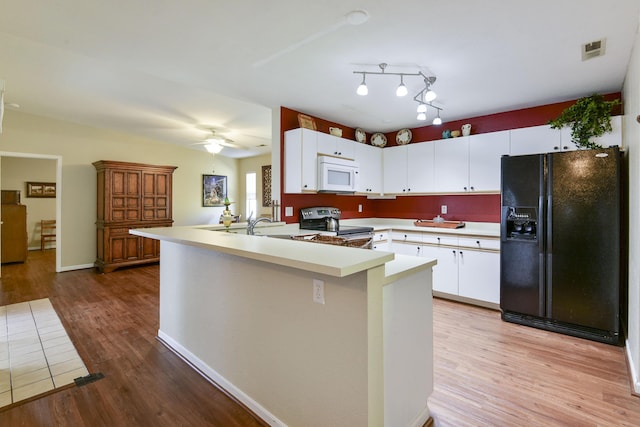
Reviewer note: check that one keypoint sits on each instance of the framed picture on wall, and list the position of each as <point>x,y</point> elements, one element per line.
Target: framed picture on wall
<point>214,190</point>
<point>41,189</point>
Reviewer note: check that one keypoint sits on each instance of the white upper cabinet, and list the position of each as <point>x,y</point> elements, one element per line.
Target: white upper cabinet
<point>608,139</point>
<point>452,165</point>
<point>544,139</point>
<point>409,168</point>
<point>300,165</point>
<point>335,146</point>
<point>536,140</point>
<point>370,160</point>
<point>485,152</point>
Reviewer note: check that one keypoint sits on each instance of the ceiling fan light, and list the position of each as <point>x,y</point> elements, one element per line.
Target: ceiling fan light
<point>437,120</point>
<point>422,116</point>
<point>429,96</point>
<point>213,148</point>
<point>422,108</point>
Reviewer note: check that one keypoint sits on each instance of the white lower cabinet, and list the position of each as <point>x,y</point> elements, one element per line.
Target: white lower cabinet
<point>381,241</point>
<point>467,267</point>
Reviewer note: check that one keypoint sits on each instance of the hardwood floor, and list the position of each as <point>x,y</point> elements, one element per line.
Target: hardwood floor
<point>487,372</point>
<point>113,321</point>
<point>493,373</point>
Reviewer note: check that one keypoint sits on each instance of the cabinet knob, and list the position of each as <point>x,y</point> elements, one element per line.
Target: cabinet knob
<point>305,186</point>
<point>438,240</point>
<point>565,148</point>
<point>472,188</point>
<point>465,188</point>
<point>478,243</point>
<point>556,148</point>
<point>408,189</point>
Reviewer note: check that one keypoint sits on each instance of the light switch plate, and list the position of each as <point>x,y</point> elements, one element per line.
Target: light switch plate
<point>288,211</point>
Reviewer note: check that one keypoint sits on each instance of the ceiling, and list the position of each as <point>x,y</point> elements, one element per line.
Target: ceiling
<point>167,70</point>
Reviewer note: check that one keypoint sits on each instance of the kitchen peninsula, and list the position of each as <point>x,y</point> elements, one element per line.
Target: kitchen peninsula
<point>301,333</point>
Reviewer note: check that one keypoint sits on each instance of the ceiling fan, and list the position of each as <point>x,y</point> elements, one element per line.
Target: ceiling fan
<point>215,142</point>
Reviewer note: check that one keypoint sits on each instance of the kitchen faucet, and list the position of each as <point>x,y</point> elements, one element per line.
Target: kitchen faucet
<point>252,223</point>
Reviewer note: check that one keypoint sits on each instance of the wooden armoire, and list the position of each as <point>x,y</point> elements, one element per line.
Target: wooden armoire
<point>130,195</point>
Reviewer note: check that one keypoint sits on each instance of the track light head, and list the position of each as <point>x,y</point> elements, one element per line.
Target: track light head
<point>362,89</point>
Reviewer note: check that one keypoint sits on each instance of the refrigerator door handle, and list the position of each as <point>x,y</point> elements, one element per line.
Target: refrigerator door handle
<point>549,238</point>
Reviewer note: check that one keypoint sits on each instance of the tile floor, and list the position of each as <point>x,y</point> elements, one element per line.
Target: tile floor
<point>36,354</point>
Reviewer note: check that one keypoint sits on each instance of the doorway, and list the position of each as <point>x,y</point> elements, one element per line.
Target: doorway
<point>58,198</point>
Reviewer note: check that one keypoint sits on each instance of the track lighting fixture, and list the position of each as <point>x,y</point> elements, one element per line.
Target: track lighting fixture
<point>424,98</point>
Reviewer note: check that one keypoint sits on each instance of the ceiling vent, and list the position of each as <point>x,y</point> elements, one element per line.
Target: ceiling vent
<point>593,49</point>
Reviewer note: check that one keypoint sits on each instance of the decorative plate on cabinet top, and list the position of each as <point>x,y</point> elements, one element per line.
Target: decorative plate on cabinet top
<point>378,139</point>
<point>403,137</point>
<point>361,136</point>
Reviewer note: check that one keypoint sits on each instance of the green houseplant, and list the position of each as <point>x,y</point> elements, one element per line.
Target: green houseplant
<point>588,117</point>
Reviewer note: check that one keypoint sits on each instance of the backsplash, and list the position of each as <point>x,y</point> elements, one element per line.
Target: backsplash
<point>460,207</point>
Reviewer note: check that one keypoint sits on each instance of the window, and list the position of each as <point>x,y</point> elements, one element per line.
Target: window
<point>251,204</point>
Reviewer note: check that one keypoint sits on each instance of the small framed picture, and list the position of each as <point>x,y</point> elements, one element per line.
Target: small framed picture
<point>41,189</point>
<point>306,122</point>
<point>214,190</point>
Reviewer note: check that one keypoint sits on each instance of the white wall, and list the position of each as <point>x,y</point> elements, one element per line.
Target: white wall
<point>80,146</point>
<point>631,135</point>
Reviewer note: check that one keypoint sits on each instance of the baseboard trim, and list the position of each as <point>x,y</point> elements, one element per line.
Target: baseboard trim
<point>75,267</point>
<point>219,381</point>
<point>633,374</point>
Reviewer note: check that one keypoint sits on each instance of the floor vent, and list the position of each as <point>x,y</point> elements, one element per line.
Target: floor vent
<point>80,381</point>
<point>593,49</point>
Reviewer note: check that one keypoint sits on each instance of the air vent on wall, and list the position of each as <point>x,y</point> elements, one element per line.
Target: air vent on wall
<point>593,49</point>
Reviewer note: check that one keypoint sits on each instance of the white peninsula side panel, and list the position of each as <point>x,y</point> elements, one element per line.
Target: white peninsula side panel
<point>363,358</point>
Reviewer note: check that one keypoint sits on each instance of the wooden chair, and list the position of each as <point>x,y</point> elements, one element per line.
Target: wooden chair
<point>47,232</point>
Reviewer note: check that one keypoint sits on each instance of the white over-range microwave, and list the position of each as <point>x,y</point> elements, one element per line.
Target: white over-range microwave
<point>336,175</point>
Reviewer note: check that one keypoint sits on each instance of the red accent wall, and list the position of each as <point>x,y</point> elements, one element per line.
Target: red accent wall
<point>462,207</point>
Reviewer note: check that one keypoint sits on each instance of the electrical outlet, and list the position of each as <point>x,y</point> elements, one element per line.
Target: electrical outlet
<point>288,211</point>
<point>359,208</point>
<point>318,291</point>
<point>443,209</point>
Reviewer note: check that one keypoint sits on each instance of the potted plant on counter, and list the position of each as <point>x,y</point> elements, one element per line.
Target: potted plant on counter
<point>588,117</point>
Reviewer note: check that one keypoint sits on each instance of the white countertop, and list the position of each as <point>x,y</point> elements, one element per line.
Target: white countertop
<point>476,229</point>
<point>333,260</point>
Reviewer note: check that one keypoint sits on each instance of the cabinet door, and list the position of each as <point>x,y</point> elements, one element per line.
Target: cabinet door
<point>479,275</point>
<point>485,152</point>
<point>121,246</point>
<point>420,167</point>
<point>300,157</point>
<point>335,146</point>
<point>452,165</point>
<point>124,197</point>
<point>395,170</point>
<point>445,250</point>
<point>156,194</point>
<point>534,140</point>
<point>370,160</point>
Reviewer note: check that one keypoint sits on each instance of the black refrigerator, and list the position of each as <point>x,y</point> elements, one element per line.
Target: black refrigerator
<point>562,246</point>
